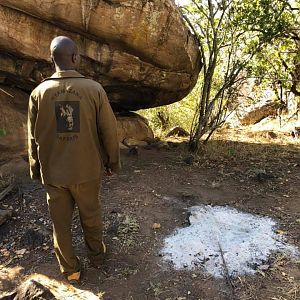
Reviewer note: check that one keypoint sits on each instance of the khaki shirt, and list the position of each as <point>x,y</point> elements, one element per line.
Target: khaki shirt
<point>72,130</point>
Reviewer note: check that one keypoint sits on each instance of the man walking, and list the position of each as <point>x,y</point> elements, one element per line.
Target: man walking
<point>72,137</point>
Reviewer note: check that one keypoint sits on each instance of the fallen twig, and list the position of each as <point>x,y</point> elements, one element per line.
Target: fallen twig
<point>228,279</point>
<point>7,191</point>
<point>5,92</point>
<point>225,267</point>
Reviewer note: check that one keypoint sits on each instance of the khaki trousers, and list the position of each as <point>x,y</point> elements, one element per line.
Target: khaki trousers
<point>61,201</point>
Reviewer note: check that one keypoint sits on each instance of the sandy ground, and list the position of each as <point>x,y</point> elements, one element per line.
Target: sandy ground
<point>158,187</point>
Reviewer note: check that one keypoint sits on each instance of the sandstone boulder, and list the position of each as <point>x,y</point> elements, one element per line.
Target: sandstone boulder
<point>151,29</point>
<point>13,118</point>
<point>141,51</point>
<point>30,290</point>
<point>258,112</point>
<point>132,125</point>
<point>178,131</point>
<point>130,142</point>
<point>13,121</point>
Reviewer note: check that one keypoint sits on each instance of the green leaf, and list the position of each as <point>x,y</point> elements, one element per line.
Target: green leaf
<point>2,132</point>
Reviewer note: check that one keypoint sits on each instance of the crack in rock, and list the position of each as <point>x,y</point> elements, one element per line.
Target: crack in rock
<point>87,6</point>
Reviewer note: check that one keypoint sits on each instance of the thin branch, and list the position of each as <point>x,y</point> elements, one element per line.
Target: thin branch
<point>7,190</point>
<point>200,9</point>
<point>5,92</point>
<point>192,28</point>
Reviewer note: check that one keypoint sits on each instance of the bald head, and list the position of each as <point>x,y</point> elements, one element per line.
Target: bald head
<point>64,53</point>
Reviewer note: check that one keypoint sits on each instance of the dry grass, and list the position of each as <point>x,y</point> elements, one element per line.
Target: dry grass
<point>263,136</point>
<point>238,144</point>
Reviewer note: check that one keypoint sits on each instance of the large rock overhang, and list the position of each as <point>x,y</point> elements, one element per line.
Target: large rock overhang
<point>136,71</point>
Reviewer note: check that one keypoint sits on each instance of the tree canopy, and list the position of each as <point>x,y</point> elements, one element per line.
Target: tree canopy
<point>238,40</point>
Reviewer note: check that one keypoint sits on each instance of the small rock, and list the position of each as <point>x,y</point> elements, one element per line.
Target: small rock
<point>5,215</point>
<point>178,131</point>
<point>29,290</point>
<point>189,160</point>
<point>129,142</point>
<point>156,226</point>
<point>262,175</point>
<point>4,252</point>
<point>215,184</point>
<point>160,145</point>
<point>32,238</point>
<point>133,151</point>
<point>20,252</point>
<point>296,132</point>
<point>264,267</point>
<point>281,232</point>
<point>271,135</point>
<point>173,145</point>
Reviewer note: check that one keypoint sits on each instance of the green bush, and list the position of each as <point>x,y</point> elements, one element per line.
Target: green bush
<point>177,114</point>
<point>2,132</point>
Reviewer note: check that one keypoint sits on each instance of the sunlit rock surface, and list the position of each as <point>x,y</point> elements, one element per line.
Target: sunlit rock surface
<point>141,51</point>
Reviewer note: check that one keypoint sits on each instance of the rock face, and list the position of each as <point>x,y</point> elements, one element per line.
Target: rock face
<point>13,118</point>
<point>140,50</point>
<point>178,131</point>
<point>258,113</point>
<point>131,125</point>
<point>30,290</point>
<point>13,121</point>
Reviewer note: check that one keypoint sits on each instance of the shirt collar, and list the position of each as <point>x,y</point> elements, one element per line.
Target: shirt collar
<point>67,73</point>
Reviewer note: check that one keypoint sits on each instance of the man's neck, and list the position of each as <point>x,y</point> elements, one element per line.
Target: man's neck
<point>61,69</point>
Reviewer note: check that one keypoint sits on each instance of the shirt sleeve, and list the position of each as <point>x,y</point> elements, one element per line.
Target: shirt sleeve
<point>107,128</point>
<point>32,146</point>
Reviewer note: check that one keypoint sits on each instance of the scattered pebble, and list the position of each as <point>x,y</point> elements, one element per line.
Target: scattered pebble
<point>156,226</point>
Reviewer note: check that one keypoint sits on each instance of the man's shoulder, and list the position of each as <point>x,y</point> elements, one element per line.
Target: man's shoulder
<point>92,84</point>
<point>41,88</point>
<point>53,84</point>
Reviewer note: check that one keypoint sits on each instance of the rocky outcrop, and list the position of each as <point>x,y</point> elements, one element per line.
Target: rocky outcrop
<point>30,290</point>
<point>13,118</point>
<point>258,112</point>
<point>141,51</point>
<point>13,121</point>
<point>178,131</point>
<point>133,126</point>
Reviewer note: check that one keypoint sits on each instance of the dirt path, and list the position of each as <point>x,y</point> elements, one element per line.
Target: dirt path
<point>158,187</point>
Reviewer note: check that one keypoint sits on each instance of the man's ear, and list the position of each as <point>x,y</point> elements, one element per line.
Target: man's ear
<point>52,60</point>
<point>76,59</point>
